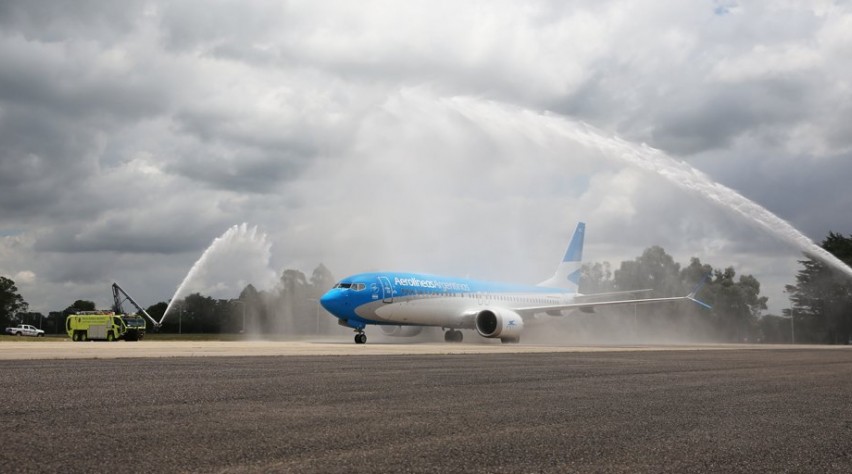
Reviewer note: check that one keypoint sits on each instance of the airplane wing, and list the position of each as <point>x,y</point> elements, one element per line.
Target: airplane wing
<point>591,297</point>
<point>589,306</point>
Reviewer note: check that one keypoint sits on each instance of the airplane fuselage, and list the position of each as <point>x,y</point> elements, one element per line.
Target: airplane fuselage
<point>391,298</point>
<point>407,302</point>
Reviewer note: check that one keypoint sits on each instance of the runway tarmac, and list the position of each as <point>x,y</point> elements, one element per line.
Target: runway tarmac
<point>66,349</point>
<point>614,410</point>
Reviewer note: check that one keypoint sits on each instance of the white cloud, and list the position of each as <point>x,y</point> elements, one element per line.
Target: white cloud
<point>762,62</point>
<point>25,277</point>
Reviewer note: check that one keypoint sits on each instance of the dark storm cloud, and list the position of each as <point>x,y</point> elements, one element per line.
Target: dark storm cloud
<point>79,269</point>
<point>240,169</point>
<point>807,191</point>
<point>80,239</point>
<point>688,124</point>
<point>62,94</point>
<point>41,159</point>
<point>72,84</point>
<point>99,20</point>
<point>227,146</point>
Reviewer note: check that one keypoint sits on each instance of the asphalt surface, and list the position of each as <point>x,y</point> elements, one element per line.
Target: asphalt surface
<point>63,348</point>
<point>672,411</point>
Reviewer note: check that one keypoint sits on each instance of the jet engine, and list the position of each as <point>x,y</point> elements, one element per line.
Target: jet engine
<point>401,331</point>
<point>500,322</point>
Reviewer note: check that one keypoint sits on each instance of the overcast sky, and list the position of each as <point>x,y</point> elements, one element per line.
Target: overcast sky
<point>424,136</point>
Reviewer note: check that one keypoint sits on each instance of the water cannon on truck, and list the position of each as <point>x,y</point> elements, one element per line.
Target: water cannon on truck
<point>135,323</point>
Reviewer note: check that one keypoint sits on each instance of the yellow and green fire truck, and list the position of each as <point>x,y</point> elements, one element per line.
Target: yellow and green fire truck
<point>104,326</point>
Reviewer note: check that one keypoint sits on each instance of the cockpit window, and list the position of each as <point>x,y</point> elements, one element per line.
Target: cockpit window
<point>353,286</point>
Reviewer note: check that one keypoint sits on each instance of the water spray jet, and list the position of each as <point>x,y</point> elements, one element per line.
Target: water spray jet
<point>679,173</point>
<point>246,254</point>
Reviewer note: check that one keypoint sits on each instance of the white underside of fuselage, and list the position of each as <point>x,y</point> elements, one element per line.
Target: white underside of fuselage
<point>449,312</point>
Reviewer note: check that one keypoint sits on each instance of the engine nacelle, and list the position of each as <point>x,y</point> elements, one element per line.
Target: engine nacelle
<point>499,322</point>
<point>401,331</point>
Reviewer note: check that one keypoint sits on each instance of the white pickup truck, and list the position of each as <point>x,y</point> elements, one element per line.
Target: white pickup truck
<point>25,330</point>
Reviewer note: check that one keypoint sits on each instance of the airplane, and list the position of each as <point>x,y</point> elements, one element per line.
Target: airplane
<point>402,303</point>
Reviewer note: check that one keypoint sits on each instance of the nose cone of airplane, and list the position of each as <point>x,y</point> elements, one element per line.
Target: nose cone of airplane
<point>333,301</point>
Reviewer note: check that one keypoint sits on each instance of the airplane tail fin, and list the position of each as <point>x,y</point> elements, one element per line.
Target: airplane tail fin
<point>570,268</point>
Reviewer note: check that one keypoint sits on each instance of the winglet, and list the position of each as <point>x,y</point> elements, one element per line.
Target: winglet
<point>691,295</point>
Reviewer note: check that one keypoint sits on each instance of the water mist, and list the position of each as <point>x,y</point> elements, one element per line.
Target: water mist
<point>238,257</point>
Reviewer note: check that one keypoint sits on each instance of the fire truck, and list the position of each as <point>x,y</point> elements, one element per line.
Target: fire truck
<point>95,325</point>
<point>109,325</point>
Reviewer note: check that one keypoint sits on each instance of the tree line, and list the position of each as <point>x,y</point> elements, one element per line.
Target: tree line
<point>820,302</point>
<point>735,302</point>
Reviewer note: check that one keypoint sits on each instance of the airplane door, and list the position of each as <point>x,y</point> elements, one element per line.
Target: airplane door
<point>387,290</point>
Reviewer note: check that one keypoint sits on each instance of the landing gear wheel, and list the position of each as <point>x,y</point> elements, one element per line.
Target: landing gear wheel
<point>360,338</point>
<point>453,336</point>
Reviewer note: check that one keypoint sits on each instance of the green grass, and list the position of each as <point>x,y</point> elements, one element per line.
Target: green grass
<point>149,336</point>
<point>152,336</point>
<point>47,337</point>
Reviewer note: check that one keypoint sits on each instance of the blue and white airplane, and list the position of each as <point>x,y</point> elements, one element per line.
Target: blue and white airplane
<point>402,304</point>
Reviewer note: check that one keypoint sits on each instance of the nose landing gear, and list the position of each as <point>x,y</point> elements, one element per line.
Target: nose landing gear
<point>360,338</point>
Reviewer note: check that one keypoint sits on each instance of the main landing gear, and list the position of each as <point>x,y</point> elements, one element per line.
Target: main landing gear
<point>453,336</point>
<point>360,338</point>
